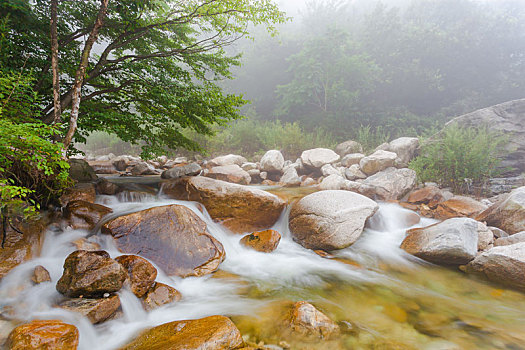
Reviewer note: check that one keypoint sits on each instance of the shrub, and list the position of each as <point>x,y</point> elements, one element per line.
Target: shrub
<point>371,138</point>
<point>458,156</point>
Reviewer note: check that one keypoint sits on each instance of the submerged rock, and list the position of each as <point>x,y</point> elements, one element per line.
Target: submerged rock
<point>305,319</point>
<point>330,219</point>
<point>264,241</point>
<point>96,310</point>
<point>90,274</point>
<point>43,334</point>
<point>160,294</point>
<point>210,333</point>
<point>85,215</point>
<point>508,213</point>
<point>171,236</point>
<point>451,242</point>
<point>239,208</point>
<point>141,273</point>
<point>505,265</point>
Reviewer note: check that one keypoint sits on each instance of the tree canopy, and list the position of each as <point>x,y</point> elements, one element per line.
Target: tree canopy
<point>153,71</point>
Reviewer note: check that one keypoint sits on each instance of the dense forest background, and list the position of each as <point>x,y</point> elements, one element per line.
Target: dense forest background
<point>372,71</point>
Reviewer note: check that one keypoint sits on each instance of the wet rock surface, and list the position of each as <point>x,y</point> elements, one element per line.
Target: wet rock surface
<point>210,333</point>
<point>306,320</point>
<point>171,236</point>
<point>96,310</point>
<point>263,241</point>
<point>84,215</point>
<point>40,275</point>
<point>330,219</point>
<point>239,208</point>
<point>160,294</point>
<point>141,273</point>
<point>80,192</point>
<point>51,334</point>
<point>90,274</point>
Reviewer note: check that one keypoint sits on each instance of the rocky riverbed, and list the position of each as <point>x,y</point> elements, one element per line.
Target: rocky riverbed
<point>336,250</point>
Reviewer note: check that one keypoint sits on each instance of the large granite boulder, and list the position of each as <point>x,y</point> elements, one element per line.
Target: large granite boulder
<point>330,219</point>
<point>240,208</point>
<point>85,215</point>
<point>451,242</point>
<point>377,161</point>
<point>348,147</point>
<point>180,170</point>
<point>392,183</point>
<point>508,213</point>
<point>81,171</point>
<point>507,118</point>
<point>333,182</point>
<point>90,274</point>
<point>172,236</point>
<point>210,333</point>
<point>43,334</point>
<point>317,157</point>
<point>272,162</point>
<point>230,173</point>
<point>505,265</point>
<point>230,159</point>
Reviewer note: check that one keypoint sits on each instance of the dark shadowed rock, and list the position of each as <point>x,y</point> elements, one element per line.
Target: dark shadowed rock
<point>90,274</point>
<point>85,215</point>
<point>160,294</point>
<point>80,192</point>
<point>43,334</point>
<point>103,186</point>
<point>330,219</point>
<point>171,236</point>
<point>263,241</point>
<point>240,208</point>
<point>210,333</point>
<point>141,273</point>
<point>81,171</point>
<point>96,310</point>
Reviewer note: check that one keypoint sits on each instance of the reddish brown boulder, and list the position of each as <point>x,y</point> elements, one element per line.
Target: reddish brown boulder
<point>430,195</point>
<point>240,208</point>
<point>459,206</point>
<point>80,192</point>
<point>305,319</point>
<point>40,275</point>
<point>49,334</point>
<point>90,274</point>
<point>160,294</point>
<point>210,333</point>
<point>263,241</point>
<point>85,215</point>
<point>141,273</point>
<point>171,236</point>
<point>96,310</point>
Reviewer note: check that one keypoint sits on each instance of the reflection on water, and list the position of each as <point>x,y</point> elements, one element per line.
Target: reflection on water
<point>390,299</point>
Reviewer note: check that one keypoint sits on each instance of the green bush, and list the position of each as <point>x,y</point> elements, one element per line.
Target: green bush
<point>458,156</point>
<point>371,138</point>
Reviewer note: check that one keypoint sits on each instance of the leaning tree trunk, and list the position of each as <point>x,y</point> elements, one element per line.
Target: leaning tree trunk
<point>54,62</point>
<point>81,71</point>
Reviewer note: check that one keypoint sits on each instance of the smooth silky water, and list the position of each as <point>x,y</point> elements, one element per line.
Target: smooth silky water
<point>390,299</point>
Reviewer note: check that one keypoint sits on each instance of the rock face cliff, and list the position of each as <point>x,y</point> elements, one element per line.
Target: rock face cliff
<point>508,118</point>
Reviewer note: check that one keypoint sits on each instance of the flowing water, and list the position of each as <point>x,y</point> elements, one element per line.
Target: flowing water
<point>390,299</point>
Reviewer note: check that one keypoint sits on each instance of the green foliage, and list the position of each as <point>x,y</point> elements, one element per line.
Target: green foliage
<point>102,143</point>
<point>33,172</point>
<point>459,156</point>
<point>371,138</point>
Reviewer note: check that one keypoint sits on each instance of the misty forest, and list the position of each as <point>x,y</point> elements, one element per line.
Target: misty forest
<point>262,174</point>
